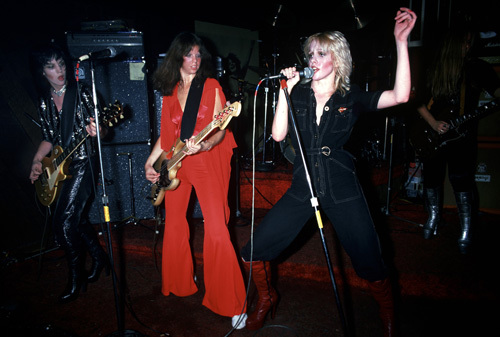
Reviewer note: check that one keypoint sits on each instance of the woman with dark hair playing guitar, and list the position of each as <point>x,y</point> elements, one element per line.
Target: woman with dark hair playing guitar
<point>191,106</point>
<point>66,109</point>
<point>455,83</point>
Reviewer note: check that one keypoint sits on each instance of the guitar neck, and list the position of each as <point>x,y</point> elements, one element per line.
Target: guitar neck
<point>177,157</point>
<point>112,114</point>
<point>482,110</point>
<point>76,144</point>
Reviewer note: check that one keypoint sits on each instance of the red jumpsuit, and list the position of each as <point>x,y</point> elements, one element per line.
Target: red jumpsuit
<point>209,173</point>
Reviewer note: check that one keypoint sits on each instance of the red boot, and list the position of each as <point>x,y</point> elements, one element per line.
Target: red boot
<point>382,292</point>
<point>268,297</point>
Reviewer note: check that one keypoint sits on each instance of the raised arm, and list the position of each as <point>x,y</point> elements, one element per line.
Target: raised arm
<point>405,21</point>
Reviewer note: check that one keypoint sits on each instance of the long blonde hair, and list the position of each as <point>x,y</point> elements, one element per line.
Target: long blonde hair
<point>336,43</point>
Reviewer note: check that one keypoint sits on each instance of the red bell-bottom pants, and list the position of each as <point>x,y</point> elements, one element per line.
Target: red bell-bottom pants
<point>225,290</point>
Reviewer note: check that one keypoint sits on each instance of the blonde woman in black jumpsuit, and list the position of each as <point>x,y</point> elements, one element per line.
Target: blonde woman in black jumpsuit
<point>326,110</point>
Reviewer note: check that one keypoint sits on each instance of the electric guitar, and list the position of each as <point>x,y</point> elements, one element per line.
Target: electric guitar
<point>427,142</point>
<point>55,167</point>
<point>168,167</point>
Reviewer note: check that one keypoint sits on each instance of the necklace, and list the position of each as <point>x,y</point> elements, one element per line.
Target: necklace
<point>59,92</point>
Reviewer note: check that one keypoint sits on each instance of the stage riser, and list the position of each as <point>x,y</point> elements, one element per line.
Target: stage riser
<point>269,188</point>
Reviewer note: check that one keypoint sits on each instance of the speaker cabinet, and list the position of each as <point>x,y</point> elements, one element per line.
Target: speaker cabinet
<point>125,183</point>
<point>121,78</point>
<point>127,145</point>
<point>487,179</point>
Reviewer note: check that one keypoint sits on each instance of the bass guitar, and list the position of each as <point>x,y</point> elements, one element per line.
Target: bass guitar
<point>426,142</point>
<point>55,167</point>
<point>168,167</point>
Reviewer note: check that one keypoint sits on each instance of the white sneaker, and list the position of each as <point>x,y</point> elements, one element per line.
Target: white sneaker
<point>241,320</point>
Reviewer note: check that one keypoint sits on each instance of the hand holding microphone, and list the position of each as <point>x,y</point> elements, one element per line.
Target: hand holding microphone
<point>293,76</point>
<point>289,73</point>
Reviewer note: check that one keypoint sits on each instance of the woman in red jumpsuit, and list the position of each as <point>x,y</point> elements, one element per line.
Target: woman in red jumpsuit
<point>206,168</point>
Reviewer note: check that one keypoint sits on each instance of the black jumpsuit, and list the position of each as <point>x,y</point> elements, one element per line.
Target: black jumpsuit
<point>334,180</point>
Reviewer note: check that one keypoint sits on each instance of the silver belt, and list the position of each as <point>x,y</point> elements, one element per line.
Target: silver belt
<point>324,150</point>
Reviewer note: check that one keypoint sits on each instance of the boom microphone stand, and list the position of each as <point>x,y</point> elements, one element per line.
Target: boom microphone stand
<point>315,204</point>
<point>266,165</point>
<point>105,204</point>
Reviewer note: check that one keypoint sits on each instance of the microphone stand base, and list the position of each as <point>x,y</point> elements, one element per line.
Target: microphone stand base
<point>265,166</point>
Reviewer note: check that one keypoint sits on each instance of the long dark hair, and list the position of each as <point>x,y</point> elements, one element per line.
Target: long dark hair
<point>447,71</point>
<point>42,55</point>
<point>168,73</point>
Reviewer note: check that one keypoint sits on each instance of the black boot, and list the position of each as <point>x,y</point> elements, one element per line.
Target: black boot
<point>465,215</point>
<point>100,259</point>
<point>433,203</point>
<point>77,278</point>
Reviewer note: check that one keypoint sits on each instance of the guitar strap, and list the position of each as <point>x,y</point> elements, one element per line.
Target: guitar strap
<point>429,105</point>
<point>68,116</point>
<point>191,110</point>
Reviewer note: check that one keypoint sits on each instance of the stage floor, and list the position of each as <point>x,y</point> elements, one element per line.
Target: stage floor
<point>440,291</point>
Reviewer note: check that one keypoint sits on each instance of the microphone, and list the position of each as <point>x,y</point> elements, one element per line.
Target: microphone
<point>304,73</point>
<point>105,53</point>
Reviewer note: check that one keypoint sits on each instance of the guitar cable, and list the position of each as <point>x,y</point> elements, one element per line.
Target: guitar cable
<point>252,221</point>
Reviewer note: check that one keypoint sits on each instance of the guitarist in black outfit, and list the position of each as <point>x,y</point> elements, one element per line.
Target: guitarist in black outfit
<point>66,111</point>
<point>455,83</point>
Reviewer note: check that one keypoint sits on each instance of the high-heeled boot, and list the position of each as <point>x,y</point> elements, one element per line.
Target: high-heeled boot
<point>268,297</point>
<point>465,213</point>
<point>382,293</point>
<point>100,259</point>
<point>433,203</point>
<point>76,276</point>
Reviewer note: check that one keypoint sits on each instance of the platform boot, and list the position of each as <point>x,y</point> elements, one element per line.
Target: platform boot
<point>434,204</point>
<point>77,278</point>
<point>268,297</point>
<point>382,293</point>
<point>465,214</point>
<point>100,260</point>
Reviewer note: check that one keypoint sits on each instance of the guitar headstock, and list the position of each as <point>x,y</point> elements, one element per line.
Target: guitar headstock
<point>112,114</point>
<point>224,116</point>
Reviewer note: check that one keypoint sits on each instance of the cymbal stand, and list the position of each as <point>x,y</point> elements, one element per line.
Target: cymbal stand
<point>131,219</point>
<point>386,209</point>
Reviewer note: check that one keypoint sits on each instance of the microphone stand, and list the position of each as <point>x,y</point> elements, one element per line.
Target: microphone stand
<point>265,165</point>
<point>315,204</point>
<point>105,204</point>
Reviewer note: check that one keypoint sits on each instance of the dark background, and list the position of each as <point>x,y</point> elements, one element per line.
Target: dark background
<point>25,24</point>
